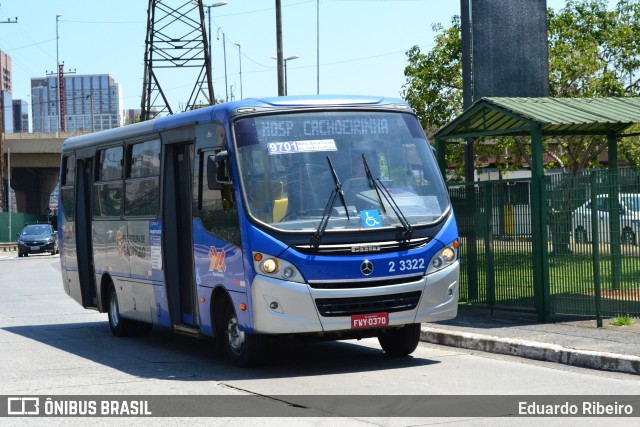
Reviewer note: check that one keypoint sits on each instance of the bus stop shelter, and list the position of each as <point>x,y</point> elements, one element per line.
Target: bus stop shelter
<point>539,118</point>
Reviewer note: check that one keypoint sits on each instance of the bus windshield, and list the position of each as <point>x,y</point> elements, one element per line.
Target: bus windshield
<point>290,165</point>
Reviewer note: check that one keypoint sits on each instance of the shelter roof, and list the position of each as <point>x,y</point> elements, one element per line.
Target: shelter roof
<point>554,116</point>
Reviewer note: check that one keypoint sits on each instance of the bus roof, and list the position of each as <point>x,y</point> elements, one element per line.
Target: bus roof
<point>224,110</point>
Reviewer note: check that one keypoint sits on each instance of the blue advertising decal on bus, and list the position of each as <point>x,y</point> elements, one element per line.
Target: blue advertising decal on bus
<point>318,216</point>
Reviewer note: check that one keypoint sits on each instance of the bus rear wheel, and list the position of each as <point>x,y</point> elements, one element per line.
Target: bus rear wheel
<point>121,327</point>
<point>400,342</point>
<point>242,348</point>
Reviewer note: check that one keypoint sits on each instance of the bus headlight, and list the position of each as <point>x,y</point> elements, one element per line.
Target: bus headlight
<point>448,254</point>
<point>443,258</point>
<point>270,266</point>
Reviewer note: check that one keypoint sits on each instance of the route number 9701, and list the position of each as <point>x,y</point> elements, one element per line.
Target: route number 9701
<point>407,265</point>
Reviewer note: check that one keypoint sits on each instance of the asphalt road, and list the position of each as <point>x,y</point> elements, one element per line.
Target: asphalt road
<point>49,345</point>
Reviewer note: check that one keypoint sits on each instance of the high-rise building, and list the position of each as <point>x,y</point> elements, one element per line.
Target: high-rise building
<point>6,104</point>
<point>20,116</point>
<point>133,115</point>
<point>92,102</point>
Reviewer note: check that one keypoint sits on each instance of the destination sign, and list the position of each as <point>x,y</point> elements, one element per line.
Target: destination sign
<point>322,127</point>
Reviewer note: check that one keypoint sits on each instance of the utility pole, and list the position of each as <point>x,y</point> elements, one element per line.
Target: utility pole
<point>279,46</point>
<point>2,198</point>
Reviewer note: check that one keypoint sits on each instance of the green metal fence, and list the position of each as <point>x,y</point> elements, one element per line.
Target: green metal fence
<point>595,258</point>
<point>10,227</point>
<point>593,248</point>
<point>494,222</point>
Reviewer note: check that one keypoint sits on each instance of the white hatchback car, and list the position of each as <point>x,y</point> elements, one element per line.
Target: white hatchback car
<point>629,219</point>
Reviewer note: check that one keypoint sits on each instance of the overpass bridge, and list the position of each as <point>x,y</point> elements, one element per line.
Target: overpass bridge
<point>35,163</point>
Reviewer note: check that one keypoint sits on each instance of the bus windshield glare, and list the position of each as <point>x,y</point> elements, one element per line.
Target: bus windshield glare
<point>290,163</point>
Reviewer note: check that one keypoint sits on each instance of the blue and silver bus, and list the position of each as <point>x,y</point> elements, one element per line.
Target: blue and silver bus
<point>319,217</point>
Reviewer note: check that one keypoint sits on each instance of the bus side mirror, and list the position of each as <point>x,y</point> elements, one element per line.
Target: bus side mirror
<point>218,171</point>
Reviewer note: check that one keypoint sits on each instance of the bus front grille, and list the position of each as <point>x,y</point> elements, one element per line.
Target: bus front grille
<point>335,307</point>
<point>354,284</point>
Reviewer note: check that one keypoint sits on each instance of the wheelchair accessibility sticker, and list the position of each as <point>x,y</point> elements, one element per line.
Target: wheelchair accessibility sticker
<point>371,219</point>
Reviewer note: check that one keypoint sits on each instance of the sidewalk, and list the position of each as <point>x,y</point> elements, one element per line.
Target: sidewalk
<point>8,247</point>
<point>577,343</point>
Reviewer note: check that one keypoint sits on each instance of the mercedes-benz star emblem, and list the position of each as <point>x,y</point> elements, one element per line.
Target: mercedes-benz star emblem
<point>366,267</point>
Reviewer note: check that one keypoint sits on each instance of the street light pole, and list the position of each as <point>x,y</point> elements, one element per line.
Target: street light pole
<point>285,71</point>
<point>284,61</point>
<point>209,6</point>
<point>58,74</point>
<point>285,77</point>
<point>224,53</point>
<point>318,46</point>
<point>240,61</point>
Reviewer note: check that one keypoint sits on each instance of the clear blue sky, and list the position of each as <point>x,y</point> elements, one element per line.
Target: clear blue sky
<point>362,43</point>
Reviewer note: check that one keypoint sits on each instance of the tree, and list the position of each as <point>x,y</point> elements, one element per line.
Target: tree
<point>593,52</point>
<point>434,79</point>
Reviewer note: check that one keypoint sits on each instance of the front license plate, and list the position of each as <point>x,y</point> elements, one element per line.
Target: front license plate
<point>372,320</point>
<point>35,248</point>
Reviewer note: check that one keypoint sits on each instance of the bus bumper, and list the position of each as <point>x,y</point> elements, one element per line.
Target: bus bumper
<point>281,307</point>
<point>287,307</point>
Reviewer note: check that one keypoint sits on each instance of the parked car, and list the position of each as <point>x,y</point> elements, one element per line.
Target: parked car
<point>36,239</point>
<point>629,205</point>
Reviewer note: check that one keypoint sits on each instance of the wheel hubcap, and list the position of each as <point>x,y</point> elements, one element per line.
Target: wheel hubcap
<point>113,309</point>
<point>234,335</point>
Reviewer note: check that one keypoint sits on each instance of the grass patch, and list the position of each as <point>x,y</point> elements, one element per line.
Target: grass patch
<point>622,321</point>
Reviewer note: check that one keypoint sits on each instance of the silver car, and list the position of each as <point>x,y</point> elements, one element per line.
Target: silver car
<point>629,204</point>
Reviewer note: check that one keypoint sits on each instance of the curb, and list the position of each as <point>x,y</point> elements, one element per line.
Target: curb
<point>533,350</point>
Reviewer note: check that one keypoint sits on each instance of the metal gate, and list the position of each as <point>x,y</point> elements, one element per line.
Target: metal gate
<point>592,253</point>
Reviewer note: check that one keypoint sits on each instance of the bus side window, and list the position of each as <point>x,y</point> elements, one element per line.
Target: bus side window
<point>108,195</point>
<point>67,191</point>
<point>217,207</point>
<point>142,181</point>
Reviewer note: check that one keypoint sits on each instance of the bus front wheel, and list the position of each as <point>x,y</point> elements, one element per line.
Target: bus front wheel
<point>244,349</point>
<point>400,342</point>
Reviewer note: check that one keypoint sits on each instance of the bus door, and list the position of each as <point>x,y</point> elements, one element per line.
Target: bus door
<point>83,233</point>
<point>178,240</point>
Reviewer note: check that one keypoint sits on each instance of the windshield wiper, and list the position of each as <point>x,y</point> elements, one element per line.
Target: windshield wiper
<point>337,191</point>
<point>380,188</point>
<point>372,182</point>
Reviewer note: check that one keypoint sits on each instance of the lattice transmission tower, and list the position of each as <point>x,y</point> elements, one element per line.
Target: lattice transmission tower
<point>176,53</point>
